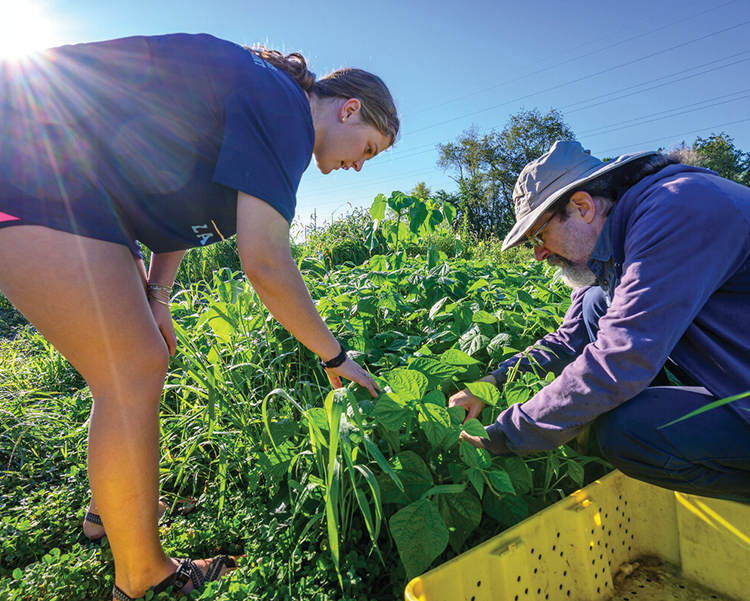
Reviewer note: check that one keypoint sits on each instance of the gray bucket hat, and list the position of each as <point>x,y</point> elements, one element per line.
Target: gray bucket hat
<point>563,168</point>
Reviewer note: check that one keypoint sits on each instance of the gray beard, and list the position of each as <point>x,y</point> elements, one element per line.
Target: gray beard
<point>572,274</point>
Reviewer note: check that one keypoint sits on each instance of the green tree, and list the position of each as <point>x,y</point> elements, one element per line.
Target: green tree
<point>486,167</point>
<point>421,191</point>
<point>718,152</point>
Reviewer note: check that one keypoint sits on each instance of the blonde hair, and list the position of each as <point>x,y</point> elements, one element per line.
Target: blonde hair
<point>378,108</point>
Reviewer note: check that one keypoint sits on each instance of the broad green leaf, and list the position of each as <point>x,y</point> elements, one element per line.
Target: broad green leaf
<point>433,256</point>
<point>417,216</point>
<point>516,392</point>
<point>434,220</point>
<point>520,474</point>
<point>525,298</point>
<point>474,427</point>
<point>458,415</point>
<point>449,211</point>
<point>456,357</point>
<point>476,477</point>
<point>318,416</point>
<point>399,201</point>
<point>500,341</point>
<point>473,341</point>
<point>391,411</point>
<point>500,481</point>
<point>387,301</point>
<point>221,320</point>
<point>368,306</point>
<point>435,422</point>
<point>484,317</point>
<point>462,316</point>
<point>509,510</point>
<point>378,263</point>
<point>436,397</point>
<point>420,535</point>
<point>275,461</point>
<point>284,429</point>
<point>473,457</point>
<point>461,513</point>
<point>486,391</point>
<point>378,207</point>
<point>437,307</point>
<point>478,284</point>
<point>575,471</point>
<point>413,474</point>
<point>436,371</point>
<point>408,384</point>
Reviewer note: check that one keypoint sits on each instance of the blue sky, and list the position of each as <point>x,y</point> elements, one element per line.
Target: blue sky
<point>627,76</point>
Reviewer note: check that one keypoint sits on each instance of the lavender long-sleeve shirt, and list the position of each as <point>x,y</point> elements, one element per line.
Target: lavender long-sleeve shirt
<point>678,276</point>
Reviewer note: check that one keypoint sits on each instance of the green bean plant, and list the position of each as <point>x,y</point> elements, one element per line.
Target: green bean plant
<point>413,219</point>
<point>332,494</point>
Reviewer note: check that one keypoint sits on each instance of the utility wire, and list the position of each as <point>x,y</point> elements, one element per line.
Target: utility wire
<point>566,62</point>
<point>583,78</point>
<point>429,147</point>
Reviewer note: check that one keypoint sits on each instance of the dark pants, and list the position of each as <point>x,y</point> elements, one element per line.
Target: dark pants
<point>707,455</point>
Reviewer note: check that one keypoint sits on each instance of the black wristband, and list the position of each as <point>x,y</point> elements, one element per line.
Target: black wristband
<point>337,361</point>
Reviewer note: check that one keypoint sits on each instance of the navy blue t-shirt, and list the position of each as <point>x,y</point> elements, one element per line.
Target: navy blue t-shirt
<point>149,139</point>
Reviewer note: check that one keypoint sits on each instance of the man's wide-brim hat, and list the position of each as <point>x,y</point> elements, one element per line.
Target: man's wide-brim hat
<point>562,169</point>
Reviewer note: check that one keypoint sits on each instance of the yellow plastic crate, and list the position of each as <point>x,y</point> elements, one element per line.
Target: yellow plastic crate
<point>617,539</point>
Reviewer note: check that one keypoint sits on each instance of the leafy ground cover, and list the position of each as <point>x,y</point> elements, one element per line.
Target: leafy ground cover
<point>327,494</point>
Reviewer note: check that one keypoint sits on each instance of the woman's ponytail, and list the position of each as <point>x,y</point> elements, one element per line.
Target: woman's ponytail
<point>294,64</point>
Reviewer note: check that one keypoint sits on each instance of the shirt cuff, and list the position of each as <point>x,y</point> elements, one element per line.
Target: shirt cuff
<point>497,444</point>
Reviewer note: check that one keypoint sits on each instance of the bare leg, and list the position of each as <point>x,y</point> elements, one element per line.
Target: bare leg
<point>86,297</point>
<point>96,531</point>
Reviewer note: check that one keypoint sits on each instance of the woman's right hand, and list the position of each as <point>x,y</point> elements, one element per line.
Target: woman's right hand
<point>473,404</point>
<point>163,319</point>
<point>351,370</point>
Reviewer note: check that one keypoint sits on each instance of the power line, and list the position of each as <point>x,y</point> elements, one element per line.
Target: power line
<point>687,133</point>
<point>689,108</point>
<point>592,132</point>
<point>562,63</point>
<point>588,104</point>
<point>422,149</point>
<point>583,78</point>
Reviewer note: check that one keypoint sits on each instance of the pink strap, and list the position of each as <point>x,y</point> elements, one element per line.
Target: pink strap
<point>6,217</point>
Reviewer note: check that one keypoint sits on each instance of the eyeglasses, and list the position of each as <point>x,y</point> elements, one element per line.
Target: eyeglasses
<point>534,238</point>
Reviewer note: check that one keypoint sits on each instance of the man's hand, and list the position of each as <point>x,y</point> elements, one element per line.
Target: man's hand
<point>473,404</point>
<point>474,441</point>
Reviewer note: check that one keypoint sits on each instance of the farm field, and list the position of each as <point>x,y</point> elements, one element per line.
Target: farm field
<point>325,494</point>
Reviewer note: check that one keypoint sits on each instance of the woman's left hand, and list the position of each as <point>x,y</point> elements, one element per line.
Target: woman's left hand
<point>354,372</point>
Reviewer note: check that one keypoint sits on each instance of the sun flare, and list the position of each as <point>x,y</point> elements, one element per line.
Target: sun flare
<point>25,26</point>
